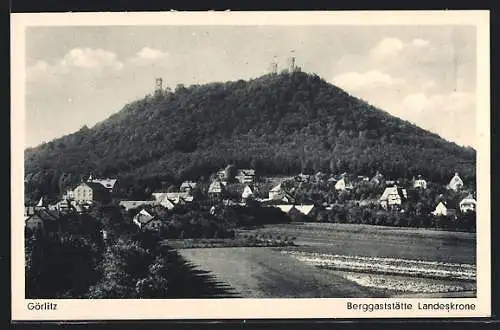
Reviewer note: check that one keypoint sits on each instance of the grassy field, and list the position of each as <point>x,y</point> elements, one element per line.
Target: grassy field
<point>377,241</point>
<point>340,260</point>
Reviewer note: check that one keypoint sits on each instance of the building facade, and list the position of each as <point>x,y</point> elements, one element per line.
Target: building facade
<point>392,198</point>
<point>455,183</point>
<point>468,204</point>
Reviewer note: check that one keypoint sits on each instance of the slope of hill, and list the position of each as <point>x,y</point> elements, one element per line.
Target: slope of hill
<point>278,124</point>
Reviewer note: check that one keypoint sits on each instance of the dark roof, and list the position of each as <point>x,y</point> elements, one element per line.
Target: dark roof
<point>96,187</point>
<point>45,215</point>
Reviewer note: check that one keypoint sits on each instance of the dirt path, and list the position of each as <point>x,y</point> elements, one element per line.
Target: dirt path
<point>267,273</point>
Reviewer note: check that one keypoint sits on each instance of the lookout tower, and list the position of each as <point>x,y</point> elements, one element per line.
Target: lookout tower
<point>158,86</point>
<point>274,66</point>
<point>291,64</point>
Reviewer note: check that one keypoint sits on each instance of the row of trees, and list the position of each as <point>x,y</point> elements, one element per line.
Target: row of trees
<point>366,215</point>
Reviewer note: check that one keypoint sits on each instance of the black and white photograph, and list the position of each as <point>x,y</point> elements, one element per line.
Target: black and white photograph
<point>209,159</point>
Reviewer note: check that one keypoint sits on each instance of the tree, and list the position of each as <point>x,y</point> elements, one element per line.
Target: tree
<point>60,266</point>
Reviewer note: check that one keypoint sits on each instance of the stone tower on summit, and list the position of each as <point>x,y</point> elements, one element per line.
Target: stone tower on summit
<point>158,86</point>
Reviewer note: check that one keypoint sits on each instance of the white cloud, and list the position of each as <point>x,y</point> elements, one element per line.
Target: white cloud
<point>415,102</point>
<point>386,46</point>
<point>147,53</point>
<point>91,58</point>
<point>370,79</point>
<point>418,42</point>
<point>451,115</point>
<point>149,57</point>
<point>38,70</point>
<point>460,101</point>
<point>438,103</point>
<point>78,60</point>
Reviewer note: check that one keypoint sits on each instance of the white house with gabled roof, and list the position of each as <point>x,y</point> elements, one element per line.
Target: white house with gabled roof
<point>443,210</point>
<point>392,197</point>
<point>247,193</point>
<point>468,204</point>
<point>455,183</point>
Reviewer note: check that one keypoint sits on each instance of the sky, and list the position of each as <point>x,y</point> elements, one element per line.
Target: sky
<point>80,75</point>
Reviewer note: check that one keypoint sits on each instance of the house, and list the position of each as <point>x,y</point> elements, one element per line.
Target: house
<point>42,220</point>
<point>146,221</point>
<point>187,186</point>
<point>443,210</point>
<point>392,197</point>
<point>159,195</point>
<point>245,176</point>
<point>177,197</point>
<point>34,222</point>
<point>216,189</point>
<point>320,176</point>
<point>287,198</point>
<point>68,195</point>
<point>28,211</point>
<point>377,179</point>
<point>302,177</point>
<point>83,192</point>
<point>276,192</point>
<point>284,207</point>
<point>129,205</point>
<point>63,205</point>
<point>332,179</point>
<point>174,196</point>
<point>468,204</point>
<point>305,209</point>
<point>343,184</point>
<point>221,174</point>
<point>455,183</point>
<point>107,183</point>
<point>419,183</point>
<point>167,203</point>
<point>40,202</point>
<point>90,192</point>
<point>229,202</point>
<point>247,193</point>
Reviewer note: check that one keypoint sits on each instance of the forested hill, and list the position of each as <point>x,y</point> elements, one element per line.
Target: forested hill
<point>278,124</point>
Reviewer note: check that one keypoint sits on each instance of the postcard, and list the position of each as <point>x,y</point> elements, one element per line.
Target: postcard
<point>242,165</point>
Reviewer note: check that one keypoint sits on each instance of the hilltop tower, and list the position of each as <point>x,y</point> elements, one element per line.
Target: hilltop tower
<point>158,86</point>
<point>291,64</point>
<point>274,66</point>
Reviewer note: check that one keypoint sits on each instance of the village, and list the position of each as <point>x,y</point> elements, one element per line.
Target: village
<point>242,187</point>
